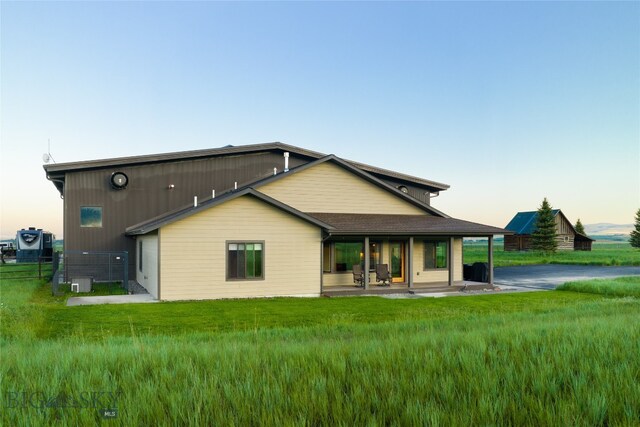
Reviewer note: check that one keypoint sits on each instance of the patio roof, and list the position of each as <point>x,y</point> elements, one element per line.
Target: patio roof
<point>409,225</point>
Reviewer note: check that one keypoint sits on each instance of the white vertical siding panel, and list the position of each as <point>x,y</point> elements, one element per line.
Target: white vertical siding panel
<point>148,277</point>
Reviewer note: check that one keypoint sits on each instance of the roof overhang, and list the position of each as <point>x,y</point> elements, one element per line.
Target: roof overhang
<point>404,225</point>
<point>356,171</point>
<point>56,171</point>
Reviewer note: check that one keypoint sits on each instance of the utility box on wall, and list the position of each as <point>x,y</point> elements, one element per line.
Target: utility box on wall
<point>81,284</point>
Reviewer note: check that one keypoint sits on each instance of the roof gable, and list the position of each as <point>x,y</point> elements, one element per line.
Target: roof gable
<point>158,222</point>
<point>525,222</point>
<point>359,173</point>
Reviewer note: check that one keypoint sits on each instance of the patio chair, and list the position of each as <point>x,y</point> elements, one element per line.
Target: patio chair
<point>383,275</point>
<point>358,275</point>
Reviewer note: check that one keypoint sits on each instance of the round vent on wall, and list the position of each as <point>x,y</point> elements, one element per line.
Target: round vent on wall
<point>119,180</point>
<point>403,189</point>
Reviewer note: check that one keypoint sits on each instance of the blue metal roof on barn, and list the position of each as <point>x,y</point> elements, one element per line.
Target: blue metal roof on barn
<point>525,222</point>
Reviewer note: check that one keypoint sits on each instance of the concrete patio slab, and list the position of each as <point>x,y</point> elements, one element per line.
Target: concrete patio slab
<point>111,299</point>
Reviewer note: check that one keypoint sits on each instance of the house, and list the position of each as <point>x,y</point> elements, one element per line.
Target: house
<point>260,220</point>
<point>523,225</point>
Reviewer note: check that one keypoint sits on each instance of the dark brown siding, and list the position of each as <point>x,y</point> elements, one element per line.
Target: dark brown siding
<point>148,195</point>
<point>517,242</point>
<point>419,193</point>
<point>581,244</point>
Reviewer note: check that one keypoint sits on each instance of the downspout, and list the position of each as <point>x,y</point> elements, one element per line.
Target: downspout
<point>64,212</point>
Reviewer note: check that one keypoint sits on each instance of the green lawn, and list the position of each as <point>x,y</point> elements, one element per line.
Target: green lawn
<point>542,358</point>
<point>601,254</point>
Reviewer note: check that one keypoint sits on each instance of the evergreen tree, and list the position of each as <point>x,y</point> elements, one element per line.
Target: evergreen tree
<point>544,237</point>
<point>579,227</point>
<point>635,234</point>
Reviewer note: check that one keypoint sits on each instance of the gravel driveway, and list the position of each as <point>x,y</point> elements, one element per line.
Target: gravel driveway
<point>551,275</point>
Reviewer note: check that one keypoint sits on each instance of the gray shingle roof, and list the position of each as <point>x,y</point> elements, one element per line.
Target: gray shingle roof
<point>416,225</point>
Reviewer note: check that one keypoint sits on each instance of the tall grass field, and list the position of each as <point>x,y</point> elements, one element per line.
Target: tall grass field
<point>566,357</point>
<point>601,254</point>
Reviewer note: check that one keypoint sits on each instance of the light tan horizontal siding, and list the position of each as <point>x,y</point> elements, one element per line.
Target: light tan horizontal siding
<point>193,253</point>
<point>343,279</point>
<point>440,275</point>
<point>329,188</point>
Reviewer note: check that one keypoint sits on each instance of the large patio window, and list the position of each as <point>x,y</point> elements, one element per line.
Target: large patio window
<point>346,255</point>
<point>435,254</point>
<point>245,261</point>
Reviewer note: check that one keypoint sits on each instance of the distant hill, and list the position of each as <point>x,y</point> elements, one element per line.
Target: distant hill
<point>606,228</point>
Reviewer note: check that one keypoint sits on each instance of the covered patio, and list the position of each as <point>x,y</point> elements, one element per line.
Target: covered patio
<point>418,288</point>
<point>423,253</point>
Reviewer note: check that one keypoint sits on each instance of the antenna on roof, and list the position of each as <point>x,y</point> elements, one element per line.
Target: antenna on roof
<point>47,157</point>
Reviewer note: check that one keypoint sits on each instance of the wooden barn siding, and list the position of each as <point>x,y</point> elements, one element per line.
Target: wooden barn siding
<point>564,237</point>
<point>582,245</point>
<point>512,243</point>
<point>517,242</point>
<point>329,188</point>
<point>565,234</point>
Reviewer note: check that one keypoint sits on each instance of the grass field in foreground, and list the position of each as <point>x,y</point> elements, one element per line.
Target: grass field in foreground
<point>619,287</point>
<point>601,254</point>
<point>544,358</point>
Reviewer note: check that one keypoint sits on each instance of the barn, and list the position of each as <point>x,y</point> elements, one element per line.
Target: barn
<point>523,225</point>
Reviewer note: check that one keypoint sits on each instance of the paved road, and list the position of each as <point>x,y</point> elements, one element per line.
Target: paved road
<point>550,276</point>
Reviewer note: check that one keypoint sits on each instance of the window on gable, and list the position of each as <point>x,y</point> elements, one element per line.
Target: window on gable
<point>90,216</point>
<point>245,260</point>
<point>435,254</point>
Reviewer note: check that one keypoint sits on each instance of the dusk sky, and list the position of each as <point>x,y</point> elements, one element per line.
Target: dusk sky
<point>506,102</point>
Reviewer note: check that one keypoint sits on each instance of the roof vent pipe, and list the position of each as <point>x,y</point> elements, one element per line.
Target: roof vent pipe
<point>213,194</point>
<point>195,201</point>
<point>235,185</point>
<point>275,171</point>
<point>286,161</point>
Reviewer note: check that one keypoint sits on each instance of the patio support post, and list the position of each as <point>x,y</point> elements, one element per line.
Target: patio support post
<point>321,263</point>
<point>490,260</point>
<point>365,279</point>
<point>410,262</point>
<point>451,261</point>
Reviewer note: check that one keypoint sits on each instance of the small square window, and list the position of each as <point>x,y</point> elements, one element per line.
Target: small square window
<point>245,261</point>
<point>91,216</point>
